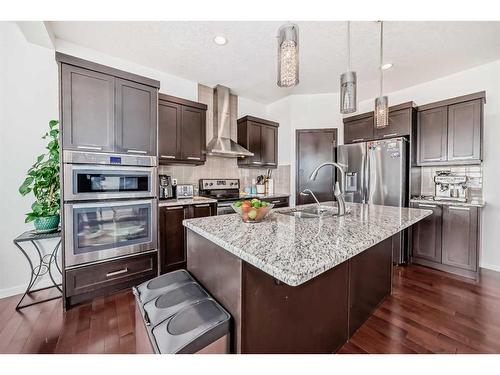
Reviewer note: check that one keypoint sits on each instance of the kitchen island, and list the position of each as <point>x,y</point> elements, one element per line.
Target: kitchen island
<point>297,285</point>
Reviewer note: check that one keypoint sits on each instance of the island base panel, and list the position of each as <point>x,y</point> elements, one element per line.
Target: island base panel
<point>271,317</point>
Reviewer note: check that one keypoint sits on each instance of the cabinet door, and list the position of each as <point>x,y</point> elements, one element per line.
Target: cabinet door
<point>426,234</point>
<point>193,134</point>
<point>359,130</point>
<point>88,109</point>
<point>254,142</point>
<point>269,145</point>
<point>464,131</point>
<point>432,133</point>
<point>203,210</point>
<point>399,124</point>
<point>169,126</point>
<point>172,238</point>
<point>460,228</point>
<point>136,108</point>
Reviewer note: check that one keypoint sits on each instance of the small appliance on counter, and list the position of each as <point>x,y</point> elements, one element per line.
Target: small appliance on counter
<point>167,187</point>
<point>185,191</point>
<point>450,187</point>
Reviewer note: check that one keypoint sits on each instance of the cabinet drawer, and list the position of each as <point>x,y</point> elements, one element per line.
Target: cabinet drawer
<point>278,202</point>
<point>103,275</point>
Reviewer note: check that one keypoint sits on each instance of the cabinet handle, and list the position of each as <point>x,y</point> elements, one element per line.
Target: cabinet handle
<point>137,152</point>
<point>389,135</point>
<point>427,205</point>
<point>115,273</point>
<point>270,163</point>
<point>358,140</point>
<point>275,201</point>
<point>167,156</point>
<point>193,158</point>
<point>431,159</point>
<point>256,162</point>
<point>202,205</point>
<point>175,208</point>
<point>458,208</point>
<point>89,148</point>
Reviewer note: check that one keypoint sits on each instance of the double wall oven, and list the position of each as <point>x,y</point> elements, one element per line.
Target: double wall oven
<point>110,207</point>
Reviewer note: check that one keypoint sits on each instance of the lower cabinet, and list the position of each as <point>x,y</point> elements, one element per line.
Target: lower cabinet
<point>172,233</point>
<point>448,239</point>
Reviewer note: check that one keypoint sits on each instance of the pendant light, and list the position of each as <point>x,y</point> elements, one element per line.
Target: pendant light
<point>288,55</point>
<point>382,102</point>
<point>348,81</point>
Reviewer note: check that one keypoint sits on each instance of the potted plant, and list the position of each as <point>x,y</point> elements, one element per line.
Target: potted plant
<point>43,180</point>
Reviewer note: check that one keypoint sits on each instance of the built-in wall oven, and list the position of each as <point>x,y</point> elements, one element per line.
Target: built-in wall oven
<point>110,206</point>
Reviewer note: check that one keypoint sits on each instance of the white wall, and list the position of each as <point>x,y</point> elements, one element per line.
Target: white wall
<point>484,77</point>
<point>28,99</point>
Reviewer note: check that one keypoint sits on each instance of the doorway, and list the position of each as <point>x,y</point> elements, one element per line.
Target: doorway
<point>313,147</point>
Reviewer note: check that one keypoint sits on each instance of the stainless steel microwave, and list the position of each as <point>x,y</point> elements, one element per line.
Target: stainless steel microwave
<point>92,182</point>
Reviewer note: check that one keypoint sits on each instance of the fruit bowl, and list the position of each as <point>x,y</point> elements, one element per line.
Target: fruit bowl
<point>252,211</point>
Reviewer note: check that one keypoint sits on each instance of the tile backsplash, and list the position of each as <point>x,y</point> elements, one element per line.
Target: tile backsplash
<point>218,167</point>
<point>473,172</point>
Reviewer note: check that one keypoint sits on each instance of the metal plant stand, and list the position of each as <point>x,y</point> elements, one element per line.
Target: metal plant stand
<point>41,264</point>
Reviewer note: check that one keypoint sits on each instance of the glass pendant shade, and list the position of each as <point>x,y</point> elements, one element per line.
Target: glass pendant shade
<point>348,92</point>
<point>288,55</point>
<point>381,112</point>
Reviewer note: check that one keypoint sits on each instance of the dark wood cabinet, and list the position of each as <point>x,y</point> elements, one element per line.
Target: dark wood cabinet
<point>426,234</point>
<point>449,132</point>
<point>447,240</point>
<point>399,124</point>
<point>87,109</point>
<point>136,111</point>
<point>460,237</point>
<point>432,135</point>
<point>106,109</point>
<point>169,124</point>
<point>361,128</point>
<point>181,131</point>
<point>279,202</point>
<point>358,130</point>
<point>464,131</point>
<point>87,282</point>
<point>260,137</point>
<point>172,237</point>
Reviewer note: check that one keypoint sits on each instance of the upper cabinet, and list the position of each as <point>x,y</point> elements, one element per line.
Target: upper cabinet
<point>181,131</point>
<point>450,132</point>
<point>361,128</point>
<point>260,137</point>
<point>105,109</point>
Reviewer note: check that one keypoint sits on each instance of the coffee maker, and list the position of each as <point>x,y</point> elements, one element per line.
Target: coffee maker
<point>167,187</point>
<point>449,186</point>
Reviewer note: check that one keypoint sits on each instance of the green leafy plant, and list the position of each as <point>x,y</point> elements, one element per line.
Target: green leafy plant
<point>43,178</point>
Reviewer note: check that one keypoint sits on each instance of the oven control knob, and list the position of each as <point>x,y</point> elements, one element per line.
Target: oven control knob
<point>211,183</point>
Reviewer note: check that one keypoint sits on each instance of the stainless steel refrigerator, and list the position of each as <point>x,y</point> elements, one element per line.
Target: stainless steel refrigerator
<point>377,173</point>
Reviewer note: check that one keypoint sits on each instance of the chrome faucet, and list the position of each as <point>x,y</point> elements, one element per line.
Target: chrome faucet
<point>336,191</point>
<point>309,192</point>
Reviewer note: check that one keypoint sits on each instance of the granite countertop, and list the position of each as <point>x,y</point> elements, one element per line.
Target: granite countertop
<point>184,202</point>
<point>296,250</point>
<point>473,203</point>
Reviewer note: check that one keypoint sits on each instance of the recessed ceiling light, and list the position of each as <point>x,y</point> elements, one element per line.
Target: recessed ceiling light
<point>387,66</point>
<point>220,40</point>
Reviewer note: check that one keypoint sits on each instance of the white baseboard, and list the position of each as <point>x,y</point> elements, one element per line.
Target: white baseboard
<point>492,267</point>
<point>19,289</point>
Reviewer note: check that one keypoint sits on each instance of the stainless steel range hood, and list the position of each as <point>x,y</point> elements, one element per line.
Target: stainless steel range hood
<point>221,143</point>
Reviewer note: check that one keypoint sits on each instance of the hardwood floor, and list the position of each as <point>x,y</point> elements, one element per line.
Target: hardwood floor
<point>428,312</point>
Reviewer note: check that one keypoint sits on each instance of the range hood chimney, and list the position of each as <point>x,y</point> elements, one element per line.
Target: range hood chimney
<point>221,143</point>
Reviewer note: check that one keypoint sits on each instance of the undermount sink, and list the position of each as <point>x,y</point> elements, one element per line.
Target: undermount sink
<point>310,212</point>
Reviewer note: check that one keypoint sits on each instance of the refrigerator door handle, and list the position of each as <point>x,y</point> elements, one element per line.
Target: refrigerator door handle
<point>366,175</point>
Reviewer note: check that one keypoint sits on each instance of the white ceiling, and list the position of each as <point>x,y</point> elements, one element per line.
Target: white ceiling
<point>420,51</point>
